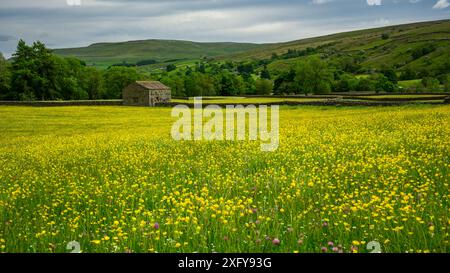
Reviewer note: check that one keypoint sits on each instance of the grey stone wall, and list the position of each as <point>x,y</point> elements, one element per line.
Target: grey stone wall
<point>160,97</point>
<point>136,95</point>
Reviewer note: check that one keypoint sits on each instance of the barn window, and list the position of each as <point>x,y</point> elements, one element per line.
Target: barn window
<point>135,100</point>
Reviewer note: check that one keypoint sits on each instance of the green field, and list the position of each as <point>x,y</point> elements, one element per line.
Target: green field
<point>112,179</point>
<point>403,96</point>
<point>224,100</point>
<point>409,84</point>
<point>261,100</point>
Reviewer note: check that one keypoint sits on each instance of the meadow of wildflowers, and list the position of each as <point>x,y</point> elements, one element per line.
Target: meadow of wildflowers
<point>112,179</point>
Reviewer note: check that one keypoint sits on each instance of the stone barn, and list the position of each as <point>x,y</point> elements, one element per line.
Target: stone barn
<point>146,93</point>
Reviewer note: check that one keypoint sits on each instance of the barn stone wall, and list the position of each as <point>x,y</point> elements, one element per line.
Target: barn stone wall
<point>136,95</point>
<point>160,97</point>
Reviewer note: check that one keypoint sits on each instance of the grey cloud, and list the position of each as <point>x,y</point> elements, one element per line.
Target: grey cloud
<point>6,38</point>
<point>60,25</point>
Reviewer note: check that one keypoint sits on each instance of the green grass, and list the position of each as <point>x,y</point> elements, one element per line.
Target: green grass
<point>409,83</point>
<point>403,96</point>
<point>226,100</point>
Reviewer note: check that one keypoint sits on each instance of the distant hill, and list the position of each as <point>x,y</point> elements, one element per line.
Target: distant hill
<point>399,46</point>
<point>161,51</point>
<point>387,46</point>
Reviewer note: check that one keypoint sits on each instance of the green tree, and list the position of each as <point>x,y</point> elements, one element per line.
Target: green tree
<point>314,76</point>
<point>116,79</point>
<point>5,78</point>
<point>348,64</point>
<point>93,83</point>
<point>176,84</point>
<point>201,67</point>
<point>265,74</point>
<point>34,72</point>
<point>198,84</point>
<point>230,84</point>
<point>390,74</point>
<point>422,51</point>
<point>171,67</point>
<point>227,65</point>
<point>408,74</point>
<point>73,90</point>
<point>447,83</point>
<point>245,69</point>
<point>264,87</point>
<point>365,84</point>
<point>72,79</point>
<point>444,68</point>
<point>346,82</point>
<point>382,83</point>
<point>430,84</point>
<point>249,85</point>
<point>285,84</point>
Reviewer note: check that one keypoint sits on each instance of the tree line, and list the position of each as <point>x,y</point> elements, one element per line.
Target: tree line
<point>34,73</point>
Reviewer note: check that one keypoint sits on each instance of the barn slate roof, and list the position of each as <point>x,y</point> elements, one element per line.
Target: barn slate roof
<point>153,85</point>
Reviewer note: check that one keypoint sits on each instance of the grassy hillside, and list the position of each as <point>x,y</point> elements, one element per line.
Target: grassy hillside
<point>392,46</point>
<point>394,49</point>
<point>162,51</point>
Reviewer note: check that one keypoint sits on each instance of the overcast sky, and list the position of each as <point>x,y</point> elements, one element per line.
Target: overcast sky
<point>59,23</point>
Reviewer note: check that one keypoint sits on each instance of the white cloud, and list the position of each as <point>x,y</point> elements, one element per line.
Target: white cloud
<point>441,4</point>
<point>381,22</point>
<point>374,2</point>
